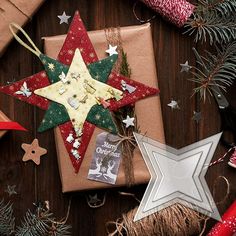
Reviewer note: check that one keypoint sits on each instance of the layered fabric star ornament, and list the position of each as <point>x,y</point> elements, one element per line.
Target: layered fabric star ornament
<point>77,90</point>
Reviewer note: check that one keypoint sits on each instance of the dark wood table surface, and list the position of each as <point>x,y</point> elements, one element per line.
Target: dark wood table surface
<point>43,182</point>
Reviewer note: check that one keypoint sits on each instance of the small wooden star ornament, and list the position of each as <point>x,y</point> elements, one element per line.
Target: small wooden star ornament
<point>33,152</point>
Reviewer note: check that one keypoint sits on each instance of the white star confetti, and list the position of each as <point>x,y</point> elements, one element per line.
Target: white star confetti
<point>129,121</point>
<point>173,104</point>
<point>63,18</point>
<point>112,50</point>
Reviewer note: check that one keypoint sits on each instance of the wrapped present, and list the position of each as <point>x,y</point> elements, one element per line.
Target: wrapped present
<point>148,111</point>
<point>19,11</point>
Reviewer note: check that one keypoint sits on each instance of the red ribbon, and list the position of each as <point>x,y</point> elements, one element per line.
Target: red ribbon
<point>11,126</point>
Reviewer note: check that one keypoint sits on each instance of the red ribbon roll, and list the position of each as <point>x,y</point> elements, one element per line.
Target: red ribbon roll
<point>11,126</point>
<point>175,11</point>
<point>228,225</point>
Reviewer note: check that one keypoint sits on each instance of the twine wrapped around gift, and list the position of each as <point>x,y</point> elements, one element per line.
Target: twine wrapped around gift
<point>125,139</point>
<point>127,144</point>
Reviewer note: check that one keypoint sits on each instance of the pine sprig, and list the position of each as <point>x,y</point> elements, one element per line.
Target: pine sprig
<point>59,230</point>
<point>213,20</point>
<point>125,69</point>
<point>35,225</point>
<point>215,70</point>
<point>7,220</point>
<point>40,223</point>
<point>223,7</point>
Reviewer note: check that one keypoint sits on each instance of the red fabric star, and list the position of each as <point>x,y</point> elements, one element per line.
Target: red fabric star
<point>77,37</point>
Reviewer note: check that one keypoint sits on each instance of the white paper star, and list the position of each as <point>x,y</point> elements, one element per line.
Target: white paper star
<point>63,18</point>
<point>112,50</point>
<point>129,121</point>
<point>177,176</point>
<point>173,104</point>
<point>185,67</point>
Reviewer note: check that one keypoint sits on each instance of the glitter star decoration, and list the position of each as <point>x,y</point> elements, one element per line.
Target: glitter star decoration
<point>186,184</point>
<point>56,114</point>
<point>185,67</point>
<point>33,152</point>
<point>64,18</point>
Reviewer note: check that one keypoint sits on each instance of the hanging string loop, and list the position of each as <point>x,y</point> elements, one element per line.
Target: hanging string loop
<point>32,47</point>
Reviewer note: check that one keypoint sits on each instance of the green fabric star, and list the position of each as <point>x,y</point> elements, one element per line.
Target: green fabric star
<point>57,114</point>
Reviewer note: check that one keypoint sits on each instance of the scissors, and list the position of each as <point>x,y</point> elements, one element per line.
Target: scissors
<point>227,113</point>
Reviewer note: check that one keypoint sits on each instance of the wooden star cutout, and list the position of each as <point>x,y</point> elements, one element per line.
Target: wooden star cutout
<point>33,152</point>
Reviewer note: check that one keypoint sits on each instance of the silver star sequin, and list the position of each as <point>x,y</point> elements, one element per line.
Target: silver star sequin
<point>63,18</point>
<point>185,67</point>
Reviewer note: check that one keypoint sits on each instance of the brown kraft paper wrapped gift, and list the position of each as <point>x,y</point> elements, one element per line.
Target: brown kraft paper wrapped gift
<point>137,43</point>
<point>18,11</point>
<point>3,118</point>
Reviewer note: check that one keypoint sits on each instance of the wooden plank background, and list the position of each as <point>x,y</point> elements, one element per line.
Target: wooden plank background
<point>42,183</point>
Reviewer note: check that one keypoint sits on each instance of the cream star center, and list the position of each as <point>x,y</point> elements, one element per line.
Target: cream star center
<point>78,92</point>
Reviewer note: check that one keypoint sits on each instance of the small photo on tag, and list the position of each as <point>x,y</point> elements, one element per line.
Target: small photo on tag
<point>106,159</point>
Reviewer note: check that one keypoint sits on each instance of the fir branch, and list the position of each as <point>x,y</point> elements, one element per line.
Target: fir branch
<point>7,220</point>
<point>215,70</point>
<point>59,230</point>
<point>223,7</point>
<point>35,225</point>
<point>125,69</point>
<point>211,26</point>
<point>214,20</point>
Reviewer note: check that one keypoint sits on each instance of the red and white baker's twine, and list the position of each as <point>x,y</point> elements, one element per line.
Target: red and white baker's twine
<point>223,157</point>
<point>176,11</point>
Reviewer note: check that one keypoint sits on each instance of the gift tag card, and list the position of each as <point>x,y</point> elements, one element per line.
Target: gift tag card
<point>106,159</point>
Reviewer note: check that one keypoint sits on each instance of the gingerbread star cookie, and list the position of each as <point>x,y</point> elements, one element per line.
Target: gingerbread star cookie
<point>33,152</point>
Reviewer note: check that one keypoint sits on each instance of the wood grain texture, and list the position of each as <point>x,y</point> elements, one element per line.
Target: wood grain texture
<point>43,183</point>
